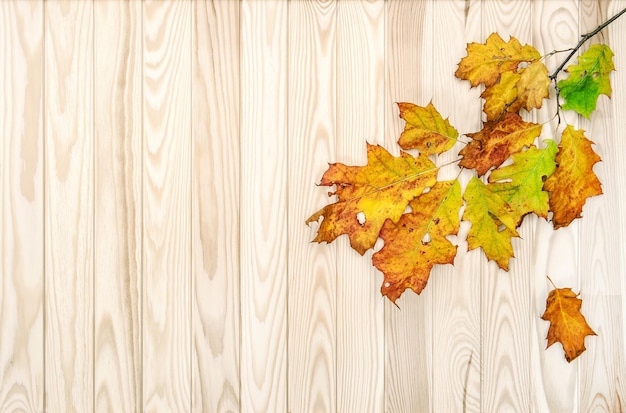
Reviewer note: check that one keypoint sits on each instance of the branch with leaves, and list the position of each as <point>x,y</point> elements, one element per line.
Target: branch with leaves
<point>400,199</point>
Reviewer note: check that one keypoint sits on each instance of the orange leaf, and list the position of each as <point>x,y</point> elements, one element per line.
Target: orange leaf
<point>574,180</point>
<point>425,129</point>
<point>567,325</point>
<point>497,141</point>
<point>368,195</point>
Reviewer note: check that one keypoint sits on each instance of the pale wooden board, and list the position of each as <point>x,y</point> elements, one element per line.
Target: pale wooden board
<point>554,253</point>
<point>263,207</point>
<point>118,208</point>
<point>408,329</point>
<point>166,206</point>
<point>602,367</point>
<point>360,48</point>
<point>69,207</point>
<point>21,207</point>
<point>215,206</point>
<point>456,290</point>
<point>311,145</point>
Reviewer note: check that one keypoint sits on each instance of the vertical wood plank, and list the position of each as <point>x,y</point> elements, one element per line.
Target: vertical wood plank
<point>553,253</point>
<point>215,206</point>
<point>69,207</point>
<point>408,329</point>
<point>602,368</point>
<point>118,208</point>
<point>505,303</point>
<point>264,206</point>
<point>167,208</point>
<point>456,290</point>
<point>360,117</point>
<point>312,267</point>
<point>21,207</point>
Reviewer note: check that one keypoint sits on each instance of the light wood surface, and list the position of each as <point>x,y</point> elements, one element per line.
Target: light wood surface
<point>158,161</point>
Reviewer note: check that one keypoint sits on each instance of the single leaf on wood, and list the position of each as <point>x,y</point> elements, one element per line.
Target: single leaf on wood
<point>588,80</point>
<point>497,141</point>
<point>574,180</point>
<point>521,183</point>
<point>425,129</point>
<point>485,62</point>
<point>368,195</point>
<point>567,324</point>
<point>418,241</point>
<point>493,222</point>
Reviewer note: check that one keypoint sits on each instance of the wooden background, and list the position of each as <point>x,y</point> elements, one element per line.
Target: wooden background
<point>158,161</point>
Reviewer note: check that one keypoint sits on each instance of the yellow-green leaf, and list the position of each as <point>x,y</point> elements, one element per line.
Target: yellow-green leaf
<point>425,129</point>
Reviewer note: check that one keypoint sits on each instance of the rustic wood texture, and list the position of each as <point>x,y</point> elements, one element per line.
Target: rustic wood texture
<point>21,207</point>
<point>215,206</point>
<point>158,161</point>
<point>167,206</point>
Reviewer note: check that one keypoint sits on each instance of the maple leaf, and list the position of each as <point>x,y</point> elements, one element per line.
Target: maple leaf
<point>497,141</point>
<point>368,195</point>
<point>588,80</point>
<point>418,241</point>
<point>425,129</point>
<point>521,183</point>
<point>485,62</point>
<point>493,222</point>
<point>574,180</point>
<point>567,324</point>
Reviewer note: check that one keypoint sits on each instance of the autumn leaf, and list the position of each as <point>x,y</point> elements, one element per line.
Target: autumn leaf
<point>425,129</point>
<point>532,87</point>
<point>368,195</point>
<point>485,63</point>
<point>567,324</point>
<point>500,96</point>
<point>588,80</point>
<point>497,141</point>
<point>418,241</point>
<point>574,180</point>
<point>521,183</point>
<point>493,222</point>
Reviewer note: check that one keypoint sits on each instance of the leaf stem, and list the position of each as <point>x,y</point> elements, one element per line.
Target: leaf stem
<point>551,282</point>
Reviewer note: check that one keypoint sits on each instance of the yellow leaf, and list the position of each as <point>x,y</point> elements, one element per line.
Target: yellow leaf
<point>425,129</point>
<point>500,96</point>
<point>532,87</point>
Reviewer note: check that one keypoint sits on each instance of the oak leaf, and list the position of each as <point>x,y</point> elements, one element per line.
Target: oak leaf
<point>500,97</point>
<point>418,241</point>
<point>368,195</point>
<point>425,129</point>
<point>485,62</point>
<point>567,324</point>
<point>491,146</point>
<point>532,87</point>
<point>521,183</point>
<point>588,80</point>
<point>574,180</point>
<point>493,222</point>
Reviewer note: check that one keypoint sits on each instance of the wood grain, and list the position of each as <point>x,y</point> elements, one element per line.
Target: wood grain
<point>408,329</point>
<point>21,207</point>
<point>311,267</point>
<point>167,206</point>
<point>118,205</point>
<point>360,48</point>
<point>456,315</point>
<point>215,206</point>
<point>69,206</point>
<point>263,229</point>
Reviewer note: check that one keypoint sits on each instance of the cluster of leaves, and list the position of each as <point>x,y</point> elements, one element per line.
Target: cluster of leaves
<point>401,200</point>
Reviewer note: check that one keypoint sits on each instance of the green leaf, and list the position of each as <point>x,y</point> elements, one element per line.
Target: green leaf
<point>588,80</point>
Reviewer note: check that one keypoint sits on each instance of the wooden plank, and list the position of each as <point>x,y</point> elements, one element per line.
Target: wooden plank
<point>311,145</point>
<point>167,208</point>
<point>601,243</point>
<point>264,206</point>
<point>118,208</point>
<point>408,329</point>
<point>69,207</point>
<point>554,253</point>
<point>21,207</point>
<point>215,206</point>
<point>456,316</point>
<point>360,117</point>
